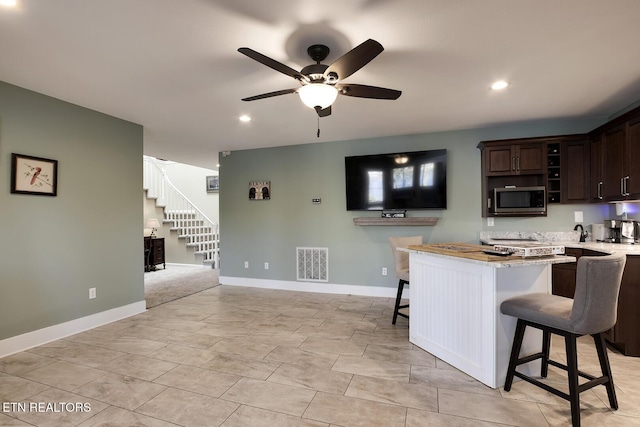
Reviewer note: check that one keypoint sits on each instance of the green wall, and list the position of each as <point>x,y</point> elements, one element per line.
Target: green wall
<point>269,231</point>
<point>53,249</point>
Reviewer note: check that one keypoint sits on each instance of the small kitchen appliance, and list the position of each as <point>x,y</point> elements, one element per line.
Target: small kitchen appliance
<point>622,231</point>
<point>628,231</point>
<point>612,230</point>
<point>597,232</point>
<point>512,200</point>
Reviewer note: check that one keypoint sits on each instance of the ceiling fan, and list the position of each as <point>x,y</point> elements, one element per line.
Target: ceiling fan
<point>320,83</point>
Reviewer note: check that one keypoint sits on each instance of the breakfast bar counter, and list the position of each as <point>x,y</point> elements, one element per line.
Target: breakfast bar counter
<point>455,293</point>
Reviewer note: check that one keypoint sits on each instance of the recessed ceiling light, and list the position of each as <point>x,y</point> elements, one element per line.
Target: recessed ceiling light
<point>244,118</point>
<point>499,85</point>
<point>9,3</point>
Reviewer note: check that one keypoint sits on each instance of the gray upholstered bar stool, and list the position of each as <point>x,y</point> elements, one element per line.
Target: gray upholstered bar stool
<point>592,311</point>
<point>401,266</point>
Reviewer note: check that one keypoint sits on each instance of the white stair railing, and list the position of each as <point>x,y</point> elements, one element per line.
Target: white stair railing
<point>185,218</point>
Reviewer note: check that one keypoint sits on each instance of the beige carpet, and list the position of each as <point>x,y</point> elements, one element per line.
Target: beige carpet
<point>176,282</point>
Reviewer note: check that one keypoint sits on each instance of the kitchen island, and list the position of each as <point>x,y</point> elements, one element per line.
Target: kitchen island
<point>456,291</point>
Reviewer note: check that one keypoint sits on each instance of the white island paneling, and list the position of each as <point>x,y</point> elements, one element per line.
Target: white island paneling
<point>455,310</point>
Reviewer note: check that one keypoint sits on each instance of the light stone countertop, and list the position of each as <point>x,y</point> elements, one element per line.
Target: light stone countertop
<point>607,248</point>
<point>566,239</point>
<point>541,237</point>
<point>569,239</point>
<point>501,262</point>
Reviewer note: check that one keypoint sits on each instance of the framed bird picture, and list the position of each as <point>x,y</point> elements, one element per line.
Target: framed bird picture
<point>34,175</point>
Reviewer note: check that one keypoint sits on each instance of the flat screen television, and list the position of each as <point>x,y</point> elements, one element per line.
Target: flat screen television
<point>397,181</point>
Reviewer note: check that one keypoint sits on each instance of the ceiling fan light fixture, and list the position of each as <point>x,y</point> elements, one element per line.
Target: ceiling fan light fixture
<point>318,95</point>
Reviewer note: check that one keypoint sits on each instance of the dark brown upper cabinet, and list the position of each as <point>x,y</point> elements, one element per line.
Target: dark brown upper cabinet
<point>620,151</point>
<point>595,181</point>
<point>560,163</point>
<point>613,163</point>
<point>602,166</point>
<point>632,157</point>
<point>514,162</point>
<point>514,158</point>
<point>575,171</point>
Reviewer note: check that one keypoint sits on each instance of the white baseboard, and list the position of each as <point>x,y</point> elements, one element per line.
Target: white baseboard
<point>320,287</point>
<point>51,333</point>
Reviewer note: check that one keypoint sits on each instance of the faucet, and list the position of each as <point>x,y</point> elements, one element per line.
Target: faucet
<point>583,234</point>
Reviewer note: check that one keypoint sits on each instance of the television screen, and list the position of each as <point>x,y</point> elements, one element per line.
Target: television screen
<point>408,180</point>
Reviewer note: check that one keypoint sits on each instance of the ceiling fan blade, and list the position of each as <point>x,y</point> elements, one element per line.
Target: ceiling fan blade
<point>355,59</point>
<point>270,94</point>
<point>323,112</point>
<point>364,91</point>
<point>272,63</point>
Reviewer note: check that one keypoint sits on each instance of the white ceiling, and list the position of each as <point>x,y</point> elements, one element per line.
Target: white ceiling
<point>173,66</point>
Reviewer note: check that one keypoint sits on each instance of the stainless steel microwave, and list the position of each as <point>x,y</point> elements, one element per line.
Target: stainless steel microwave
<point>519,200</point>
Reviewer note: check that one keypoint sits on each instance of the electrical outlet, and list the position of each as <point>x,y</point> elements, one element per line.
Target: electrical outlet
<point>266,265</point>
<point>577,216</point>
<point>490,222</point>
<point>92,293</point>
<point>384,271</point>
<point>246,264</point>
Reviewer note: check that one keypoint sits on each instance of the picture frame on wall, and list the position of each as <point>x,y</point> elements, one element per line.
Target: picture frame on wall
<point>213,183</point>
<point>260,190</point>
<point>34,175</point>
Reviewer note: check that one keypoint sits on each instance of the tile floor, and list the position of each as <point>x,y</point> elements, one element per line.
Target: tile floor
<point>244,357</point>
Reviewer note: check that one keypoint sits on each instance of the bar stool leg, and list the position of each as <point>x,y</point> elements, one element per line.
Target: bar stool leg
<point>515,352</point>
<point>546,346</point>
<point>398,297</point>
<point>603,357</point>
<point>572,369</point>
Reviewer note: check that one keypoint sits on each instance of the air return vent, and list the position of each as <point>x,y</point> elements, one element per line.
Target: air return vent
<point>313,264</point>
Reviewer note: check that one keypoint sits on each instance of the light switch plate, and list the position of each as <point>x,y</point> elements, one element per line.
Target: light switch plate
<point>577,216</point>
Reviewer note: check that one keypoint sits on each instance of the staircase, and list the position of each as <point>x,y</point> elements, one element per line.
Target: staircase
<point>190,223</point>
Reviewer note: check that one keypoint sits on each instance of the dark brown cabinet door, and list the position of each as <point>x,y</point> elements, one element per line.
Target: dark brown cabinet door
<point>625,335</point>
<point>596,169</point>
<point>563,280</point>
<point>563,276</point>
<point>575,171</point>
<point>500,160</point>
<point>530,158</point>
<point>632,157</point>
<point>613,163</point>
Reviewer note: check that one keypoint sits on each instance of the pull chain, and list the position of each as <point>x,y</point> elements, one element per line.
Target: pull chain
<point>318,127</point>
